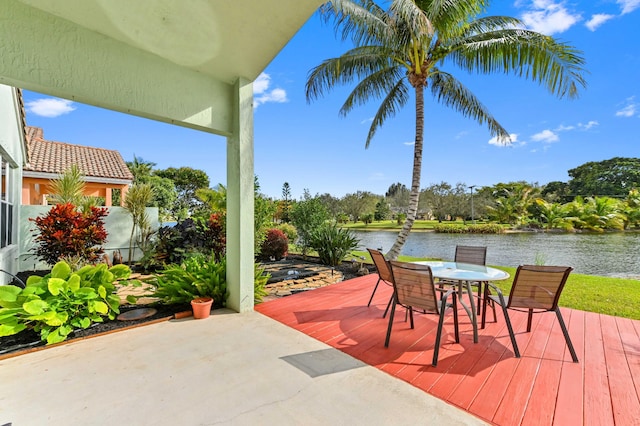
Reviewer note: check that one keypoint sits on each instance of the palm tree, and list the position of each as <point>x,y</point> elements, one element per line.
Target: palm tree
<point>138,198</point>
<point>402,49</point>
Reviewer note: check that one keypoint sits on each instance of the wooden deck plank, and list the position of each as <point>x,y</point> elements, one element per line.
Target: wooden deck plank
<point>512,407</point>
<point>626,407</point>
<point>630,338</point>
<point>473,381</point>
<point>597,398</point>
<point>547,380</point>
<point>569,406</point>
<point>485,378</point>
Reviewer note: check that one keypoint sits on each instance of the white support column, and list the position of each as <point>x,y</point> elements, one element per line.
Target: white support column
<point>240,201</point>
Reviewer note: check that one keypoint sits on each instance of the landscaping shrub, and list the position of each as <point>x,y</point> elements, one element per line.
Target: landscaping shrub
<point>197,276</point>
<point>333,243</point>
<point>66,232</point>
<point>260,279</point>
<point>201,275</point>
<point>488,228</point>
<point>275,245</point>
<point>191,236</point>
<point>289,230</point>
<point>58,303</point>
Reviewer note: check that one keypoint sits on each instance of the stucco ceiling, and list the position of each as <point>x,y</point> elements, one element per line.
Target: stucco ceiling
<point>222,39</point>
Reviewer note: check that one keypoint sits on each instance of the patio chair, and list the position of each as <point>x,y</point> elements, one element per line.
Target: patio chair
<point>384,274</point>
<point>413,288</point>
<point>535,289</point>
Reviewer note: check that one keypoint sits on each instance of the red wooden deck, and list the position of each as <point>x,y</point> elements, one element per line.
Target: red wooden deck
<point>543,387</point>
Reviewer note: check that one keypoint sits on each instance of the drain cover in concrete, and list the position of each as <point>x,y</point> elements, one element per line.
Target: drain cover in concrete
<point>137,314</point>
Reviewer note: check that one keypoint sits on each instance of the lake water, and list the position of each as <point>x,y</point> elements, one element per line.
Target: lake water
<point>615,254</point>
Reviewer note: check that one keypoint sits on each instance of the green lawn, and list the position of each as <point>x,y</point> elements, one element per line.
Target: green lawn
<point>606,295</point>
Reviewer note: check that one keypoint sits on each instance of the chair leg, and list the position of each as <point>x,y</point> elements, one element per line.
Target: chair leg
<point>485,298</point>
<point>388,305</point>
<point>393,311</point>
<point>516,352</point>
<point>566,335</point>
<point>374,292</point>
<point>455,317</point>
<point>410,309</point>
<point>529,318</point>
<point>436,349</point>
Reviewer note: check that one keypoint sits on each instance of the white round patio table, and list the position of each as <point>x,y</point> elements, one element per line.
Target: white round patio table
<point>464,274</point>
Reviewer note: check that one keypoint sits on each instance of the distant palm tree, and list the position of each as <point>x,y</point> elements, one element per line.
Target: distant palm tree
<point>401,49</point>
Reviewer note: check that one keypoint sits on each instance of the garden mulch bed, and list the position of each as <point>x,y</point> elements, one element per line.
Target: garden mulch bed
<point>28,340</point>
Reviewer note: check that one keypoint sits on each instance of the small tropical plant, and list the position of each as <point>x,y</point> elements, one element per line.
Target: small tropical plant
<point>58,303</point>
<point>69,188</point>
<point>197,276</point>
<point>333,244</point>
<point>260,279</point>
<point>275,245</point>
<point>67,232</point>
<point>135,202</point>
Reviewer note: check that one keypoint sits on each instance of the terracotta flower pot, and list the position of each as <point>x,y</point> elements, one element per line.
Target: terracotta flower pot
<point>201,307</point>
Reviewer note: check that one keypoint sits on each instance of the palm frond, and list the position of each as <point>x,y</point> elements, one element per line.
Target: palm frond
<point>528,54</point>
<point>391,104</point>
<point>449,91</point>
<point>376,85</point>
<point>355,64</point>
<point>362,21</point>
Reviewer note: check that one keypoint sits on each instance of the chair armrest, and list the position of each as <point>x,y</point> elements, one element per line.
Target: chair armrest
<point>451,291</point>
<point>497,289</point>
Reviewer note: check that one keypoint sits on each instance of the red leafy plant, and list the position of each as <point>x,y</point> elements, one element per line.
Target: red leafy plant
<point>217,235</point>
<point>66,232</point>
<point>275,245</point>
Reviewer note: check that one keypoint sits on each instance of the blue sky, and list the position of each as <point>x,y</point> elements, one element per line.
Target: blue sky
<point>312,147</point>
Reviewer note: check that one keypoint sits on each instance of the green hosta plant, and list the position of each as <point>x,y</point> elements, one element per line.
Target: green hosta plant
<point>58,303</point>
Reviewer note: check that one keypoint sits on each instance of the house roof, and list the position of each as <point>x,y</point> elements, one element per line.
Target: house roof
<point>56,157</point>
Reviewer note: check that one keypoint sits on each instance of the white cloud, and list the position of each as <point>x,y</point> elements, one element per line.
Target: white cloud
<point>589,125</point>
<point>501,142</point>
<point>629,110</point>
<point>548,17</point>
<point>410,143</point>
<point>628,5</point>
<point>50,107</point>
<point>563,128</point>
<point>264,95</point>
<point>377,176</point>
<point>597,20</point>
<point>546,136</point>
<point>261,84</point>
<point>367,120</point>
<point>461,134</point>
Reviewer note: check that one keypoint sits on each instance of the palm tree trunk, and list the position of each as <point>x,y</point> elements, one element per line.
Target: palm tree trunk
<point>415,181</point>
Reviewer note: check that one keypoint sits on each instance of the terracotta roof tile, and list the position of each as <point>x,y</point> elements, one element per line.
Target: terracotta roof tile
<point>56,157</point>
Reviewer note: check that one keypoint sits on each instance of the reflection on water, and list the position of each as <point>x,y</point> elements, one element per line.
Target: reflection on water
<point>615,254</point>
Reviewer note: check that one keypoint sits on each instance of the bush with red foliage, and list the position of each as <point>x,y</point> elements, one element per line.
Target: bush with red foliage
<point>67,232</point>
<point>217,235</point>
<point>275,245</point>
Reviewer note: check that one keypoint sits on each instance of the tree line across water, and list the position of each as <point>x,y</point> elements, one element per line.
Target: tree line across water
<point>598,196</point>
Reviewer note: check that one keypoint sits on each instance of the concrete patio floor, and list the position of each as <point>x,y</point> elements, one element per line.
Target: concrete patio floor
<point>228,369</point>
